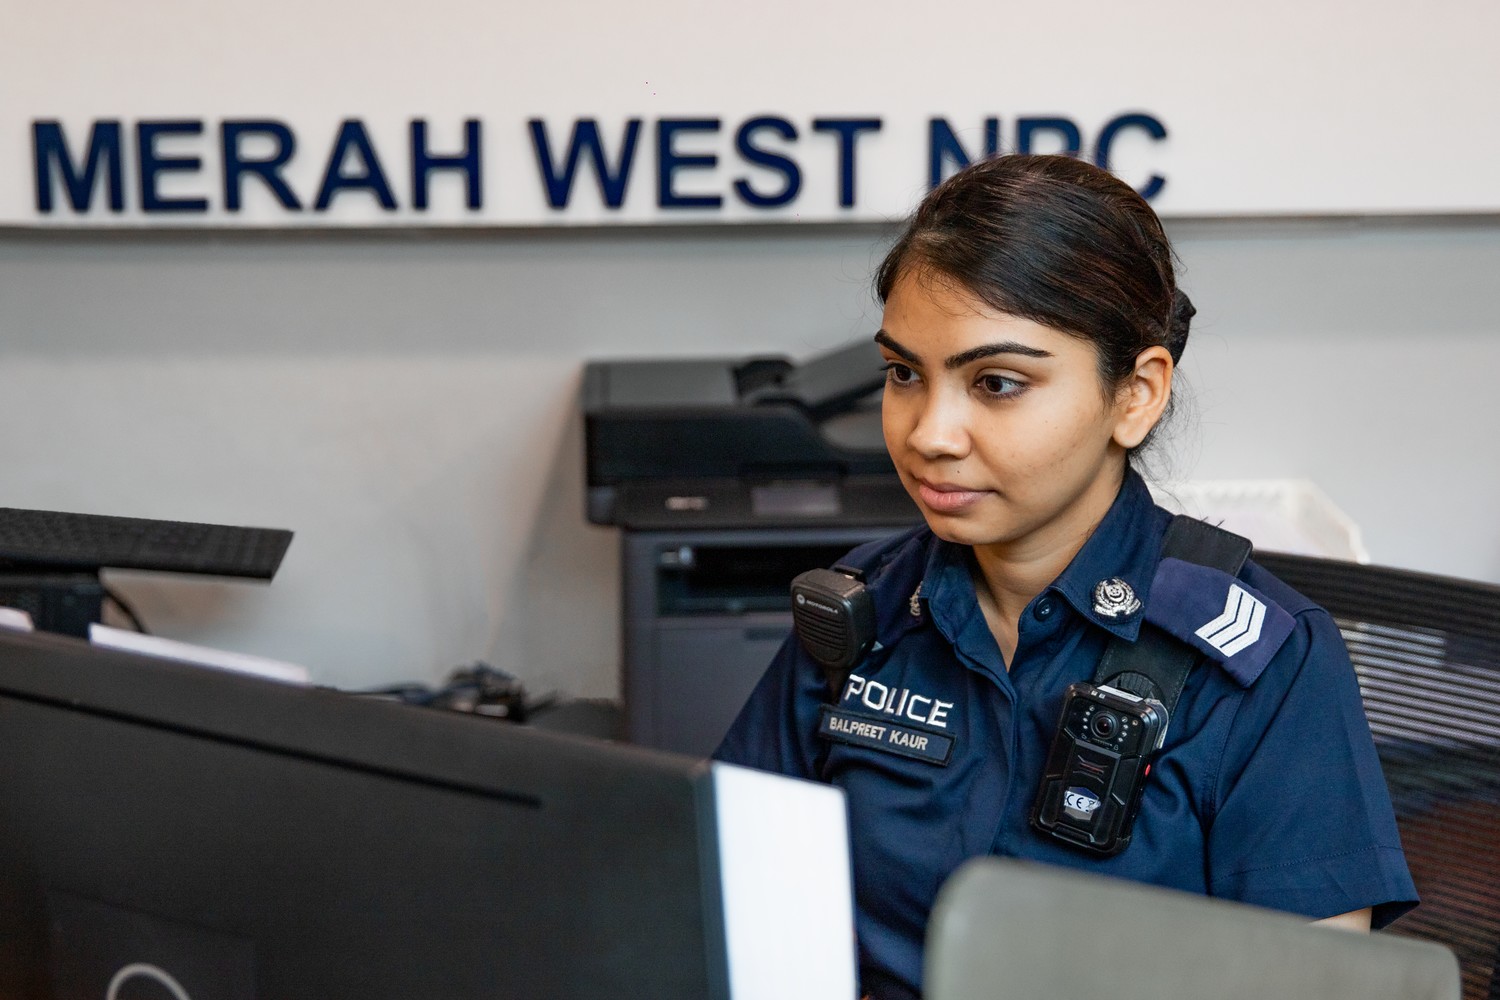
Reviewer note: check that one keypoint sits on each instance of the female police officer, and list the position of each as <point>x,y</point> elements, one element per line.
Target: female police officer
<point>1031,327</point>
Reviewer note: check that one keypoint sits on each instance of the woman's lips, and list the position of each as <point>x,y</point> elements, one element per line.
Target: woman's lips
<point>946,499</point>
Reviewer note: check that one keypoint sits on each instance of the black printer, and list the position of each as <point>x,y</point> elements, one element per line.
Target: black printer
<point>740,442</point>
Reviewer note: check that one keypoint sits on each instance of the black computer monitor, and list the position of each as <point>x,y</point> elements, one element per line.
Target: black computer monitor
<point>174,830</point>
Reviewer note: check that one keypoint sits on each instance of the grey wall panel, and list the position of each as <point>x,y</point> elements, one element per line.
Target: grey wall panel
<point>406,404</point>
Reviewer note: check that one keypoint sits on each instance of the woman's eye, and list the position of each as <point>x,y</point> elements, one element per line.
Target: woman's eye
<point>898,374</point>
<point>999,385</point>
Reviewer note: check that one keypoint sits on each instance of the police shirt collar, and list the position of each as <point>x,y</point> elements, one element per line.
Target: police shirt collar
<point>1123,549</point>
<point>945,579</point>
<point>894,586</point>
<point>947,594</point>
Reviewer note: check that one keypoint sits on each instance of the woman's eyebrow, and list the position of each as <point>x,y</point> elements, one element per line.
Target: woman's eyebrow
<point>990,350</point>
<point>889,343</point>
<point>963,358</point>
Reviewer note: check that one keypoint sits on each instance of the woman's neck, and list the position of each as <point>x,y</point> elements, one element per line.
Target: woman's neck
<point>1008,575</point>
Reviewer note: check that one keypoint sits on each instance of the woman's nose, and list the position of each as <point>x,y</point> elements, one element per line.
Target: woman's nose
<point>941,429</point>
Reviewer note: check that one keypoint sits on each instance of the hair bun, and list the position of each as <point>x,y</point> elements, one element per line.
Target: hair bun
<point>1179,325</point>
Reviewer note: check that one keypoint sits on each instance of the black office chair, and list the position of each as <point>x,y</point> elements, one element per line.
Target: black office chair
<point>1427,652</point>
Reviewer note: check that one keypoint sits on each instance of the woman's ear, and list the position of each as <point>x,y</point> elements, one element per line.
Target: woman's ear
<point>1144,397</point>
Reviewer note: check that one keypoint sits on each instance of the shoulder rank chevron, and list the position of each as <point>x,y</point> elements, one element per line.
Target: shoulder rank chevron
<point>1222,617</point>
<point>1240,624</point>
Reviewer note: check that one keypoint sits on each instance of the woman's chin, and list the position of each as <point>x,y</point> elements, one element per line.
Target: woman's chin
<point>961,530</point>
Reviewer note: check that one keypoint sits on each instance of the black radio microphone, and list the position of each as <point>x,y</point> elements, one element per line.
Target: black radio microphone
<point>834,618</point>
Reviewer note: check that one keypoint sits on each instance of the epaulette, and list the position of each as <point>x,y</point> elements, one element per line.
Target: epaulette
<point>1219,615</point>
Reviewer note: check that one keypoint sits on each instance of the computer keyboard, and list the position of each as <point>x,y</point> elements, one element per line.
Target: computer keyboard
<point>42,539</point>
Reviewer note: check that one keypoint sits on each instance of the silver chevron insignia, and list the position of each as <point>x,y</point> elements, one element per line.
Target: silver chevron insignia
<point>1238,626</point>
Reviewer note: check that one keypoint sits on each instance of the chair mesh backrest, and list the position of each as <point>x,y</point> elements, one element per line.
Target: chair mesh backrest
<point>1427,652</point>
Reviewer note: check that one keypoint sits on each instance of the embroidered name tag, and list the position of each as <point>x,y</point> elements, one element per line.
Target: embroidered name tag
<point>880,734</point>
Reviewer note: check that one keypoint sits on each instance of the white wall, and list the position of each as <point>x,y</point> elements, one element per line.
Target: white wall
<point>1271,107</point>
<point>406,404</point>
<point>1362,357</point>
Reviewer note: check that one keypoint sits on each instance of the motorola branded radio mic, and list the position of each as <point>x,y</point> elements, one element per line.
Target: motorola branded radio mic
<point>834,618</point>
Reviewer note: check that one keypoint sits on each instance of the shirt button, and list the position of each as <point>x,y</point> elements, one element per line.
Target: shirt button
<point>1043,609</point>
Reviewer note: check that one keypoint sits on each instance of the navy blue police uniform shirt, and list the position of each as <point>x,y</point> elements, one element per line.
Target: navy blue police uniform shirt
<point>1267,790</point>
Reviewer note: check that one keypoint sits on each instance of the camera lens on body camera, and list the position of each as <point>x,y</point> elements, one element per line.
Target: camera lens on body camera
<point>1104,725</point>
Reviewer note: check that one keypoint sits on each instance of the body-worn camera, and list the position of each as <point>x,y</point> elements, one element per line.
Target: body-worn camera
<point>1097,768</point>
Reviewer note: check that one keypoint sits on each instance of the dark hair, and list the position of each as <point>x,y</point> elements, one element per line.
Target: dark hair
<point>1055,240</point>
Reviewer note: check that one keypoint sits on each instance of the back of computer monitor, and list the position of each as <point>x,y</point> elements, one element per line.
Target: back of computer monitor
<point>1003,928</point>
<point>167,827</point>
